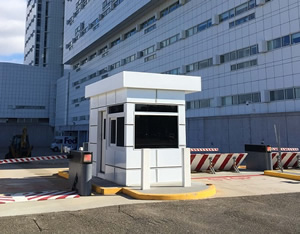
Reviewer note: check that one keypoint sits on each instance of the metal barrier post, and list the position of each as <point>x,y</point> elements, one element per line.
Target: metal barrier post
<point>236,169</point>
<point>145,173</point>
<point>279,162</point>
<point>298,161</point>
<point>211,166</point>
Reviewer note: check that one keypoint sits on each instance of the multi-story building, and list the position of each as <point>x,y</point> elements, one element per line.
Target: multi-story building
<point>44,33</point>
<point>28,91</point>
<point>246,51</point>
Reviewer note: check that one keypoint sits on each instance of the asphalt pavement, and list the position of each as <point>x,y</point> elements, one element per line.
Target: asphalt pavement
<point>278,213</point>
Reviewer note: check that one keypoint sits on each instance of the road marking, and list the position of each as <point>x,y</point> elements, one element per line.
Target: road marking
<point>37,196</point>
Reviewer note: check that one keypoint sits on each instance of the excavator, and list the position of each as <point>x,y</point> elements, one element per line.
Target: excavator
<point>19,147</point>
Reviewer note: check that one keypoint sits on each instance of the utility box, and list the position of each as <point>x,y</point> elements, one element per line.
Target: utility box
<point>259,157</point>
<point>80,171</point>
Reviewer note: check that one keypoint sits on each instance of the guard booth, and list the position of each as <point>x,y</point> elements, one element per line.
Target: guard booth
<point>132,111</point>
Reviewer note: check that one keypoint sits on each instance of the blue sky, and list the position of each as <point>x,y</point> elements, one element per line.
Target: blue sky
<point>12,30</point>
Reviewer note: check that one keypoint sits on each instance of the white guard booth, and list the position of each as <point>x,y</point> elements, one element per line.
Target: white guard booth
<point>132,111</point>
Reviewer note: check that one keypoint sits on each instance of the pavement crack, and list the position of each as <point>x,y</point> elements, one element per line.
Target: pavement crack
<point>123,212</point>
<point>35,221</point>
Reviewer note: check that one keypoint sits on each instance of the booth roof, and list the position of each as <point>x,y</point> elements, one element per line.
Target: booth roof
<point>142,80</point>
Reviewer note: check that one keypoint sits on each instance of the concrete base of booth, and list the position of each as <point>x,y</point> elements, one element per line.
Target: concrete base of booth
<point>158,192</point>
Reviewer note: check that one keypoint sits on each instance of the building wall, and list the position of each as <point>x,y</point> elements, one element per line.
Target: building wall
<point>192,39</point>
<point>25,91</point>
<point>231,133</point>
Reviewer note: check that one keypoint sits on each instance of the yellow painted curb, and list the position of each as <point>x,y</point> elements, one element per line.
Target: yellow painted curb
<point>63,174</point>
<point>210,191</point>
<point>282,175</point>
<point>105,190</point>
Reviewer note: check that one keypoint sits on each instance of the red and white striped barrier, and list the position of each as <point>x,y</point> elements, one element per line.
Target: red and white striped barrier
<point>203,162</point>
<point>32,159</point>
<point>204,149</point>
<point>286,149</point>
<point>38,196</point>
<point>287,159</point>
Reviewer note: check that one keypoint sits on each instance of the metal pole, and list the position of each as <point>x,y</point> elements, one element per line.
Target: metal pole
<point>145,180</point>
<point>277,135</point>
<point>186,167</point>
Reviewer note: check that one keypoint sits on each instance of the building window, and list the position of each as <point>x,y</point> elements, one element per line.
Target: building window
<point>242,20</point>
<point>198,28</point>
<point>295,38</point>
<point>277,95</point>
<point>115,65</point>
<point>148,22</point>
<point>198,104</point>
<point>130,33</point>
<point>148,51</point>
<point>175,71</point>
<point>129,59</point>
<point>169,9</point>
<point>151,28</point>
<point>199,65</point>
<point>241,99</point>
<point>237,10</point>
<point>149,58</point>
<point>169,41</point>
<point>283,41</point>
<point>285,94</point>
<point>115,42</point>
<point>243,65</point>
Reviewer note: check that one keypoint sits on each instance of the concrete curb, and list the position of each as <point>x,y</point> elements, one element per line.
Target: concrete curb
<point>105,190</point>
<point>282,175</point>
<point>209,192</point>
<point>63,174</point>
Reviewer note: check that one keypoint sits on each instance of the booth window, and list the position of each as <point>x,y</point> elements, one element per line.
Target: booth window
<point>156,131</point>
<point>155,108</point>
<point>113,131</point>
<point>117,131</point>
<point>116,109</point>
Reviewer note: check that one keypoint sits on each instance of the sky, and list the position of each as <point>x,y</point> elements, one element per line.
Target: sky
<point>12,30</point>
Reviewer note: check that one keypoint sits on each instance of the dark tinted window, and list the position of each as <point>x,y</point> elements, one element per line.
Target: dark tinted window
<point>155,108</point>
<point>113,131</point>
<point>120,131</point>
<point>115,109</point>
<point>156,132</point>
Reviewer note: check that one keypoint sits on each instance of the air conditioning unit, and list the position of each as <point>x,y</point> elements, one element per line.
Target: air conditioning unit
<point>262,46</point>
<point>139,54</point>
<point>158,46</point>
<point>183,69</point>
<point>260,2</point>
<point>217,60</point>
<point>215,20</point>
<point>183,34</point>
<point>123,61</point>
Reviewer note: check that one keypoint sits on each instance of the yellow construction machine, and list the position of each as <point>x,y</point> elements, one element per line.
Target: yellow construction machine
<point>20,146</point>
